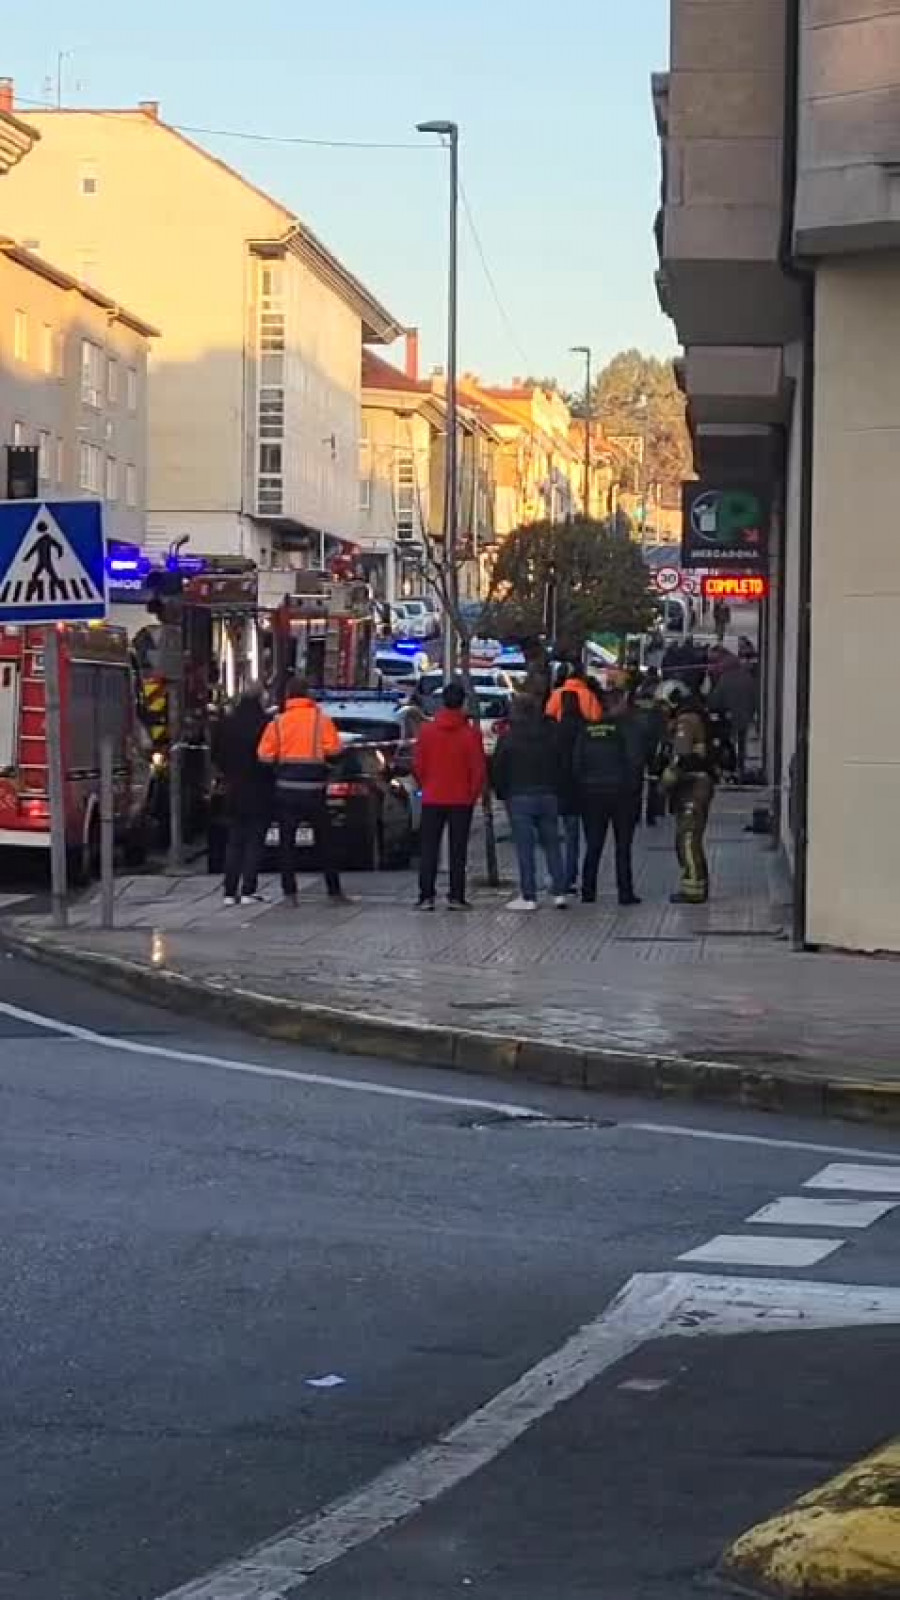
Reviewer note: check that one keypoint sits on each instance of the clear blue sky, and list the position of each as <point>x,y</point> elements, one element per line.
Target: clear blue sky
<point>559,155</point>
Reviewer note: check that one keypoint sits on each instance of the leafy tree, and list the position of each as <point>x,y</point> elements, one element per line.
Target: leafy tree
<point>597,581</point>
<point>617,398</point>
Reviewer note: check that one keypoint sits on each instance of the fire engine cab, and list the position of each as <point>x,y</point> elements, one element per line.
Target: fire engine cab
<point>99,697</point>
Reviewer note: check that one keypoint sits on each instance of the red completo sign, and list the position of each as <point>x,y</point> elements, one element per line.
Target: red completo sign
<point>734,586</point>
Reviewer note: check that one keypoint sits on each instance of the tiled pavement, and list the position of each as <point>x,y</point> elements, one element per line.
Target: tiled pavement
<point>717,982</point>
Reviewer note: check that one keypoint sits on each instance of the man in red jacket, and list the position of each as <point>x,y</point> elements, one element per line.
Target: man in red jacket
<point>450,767</point>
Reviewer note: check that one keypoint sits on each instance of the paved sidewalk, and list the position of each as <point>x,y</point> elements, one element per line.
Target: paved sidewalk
<point>713,984</point>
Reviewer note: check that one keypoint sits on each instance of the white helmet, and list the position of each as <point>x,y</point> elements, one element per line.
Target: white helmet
<point>673,693</point>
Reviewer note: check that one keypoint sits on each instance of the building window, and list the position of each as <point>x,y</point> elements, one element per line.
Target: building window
<point>365,494</point>
<point>18,435</point>
<point>112,479</point>
<point>91,373</point>
<point>271,310</point>
<point>270,483</point>
<point>131,486</point>
<point>406,496</point>
<point>59,355</point>
<point>43,457</point>
<point>60,462</point>
<point>89,467</point>
<point>48,349</point>
<point>131,389</point>
<point>88,182</point>
<point>271,413</point>
<point>112,381</point>
<point>20,336</point>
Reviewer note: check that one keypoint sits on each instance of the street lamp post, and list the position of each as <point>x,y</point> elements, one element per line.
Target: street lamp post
<point>449,132</point>
<point>585,350</point>
<point>643,405</point>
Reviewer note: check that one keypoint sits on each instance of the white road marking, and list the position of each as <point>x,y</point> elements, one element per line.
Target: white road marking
<point>740,1250</point>
<point>870,1180</point>
<point>651,1306</point>
<point>802,1211</point>
<point>252,1069</point>
<point>72,1031</point>
<point>678,1130</point>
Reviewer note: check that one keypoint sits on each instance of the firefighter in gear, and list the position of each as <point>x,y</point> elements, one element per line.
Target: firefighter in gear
<point>689,777</point>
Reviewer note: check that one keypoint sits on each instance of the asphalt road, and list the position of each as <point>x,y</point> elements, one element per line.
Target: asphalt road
<point>191,1246</point>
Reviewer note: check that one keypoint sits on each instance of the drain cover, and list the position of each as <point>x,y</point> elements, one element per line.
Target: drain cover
<point>505,1119</point>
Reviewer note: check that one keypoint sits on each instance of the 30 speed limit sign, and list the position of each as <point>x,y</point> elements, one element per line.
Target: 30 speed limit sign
<point>668,579</point>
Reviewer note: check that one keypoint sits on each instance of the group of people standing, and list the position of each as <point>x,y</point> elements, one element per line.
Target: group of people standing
<point>574,764</point>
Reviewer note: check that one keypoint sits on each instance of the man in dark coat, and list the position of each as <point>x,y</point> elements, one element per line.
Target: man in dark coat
<point>249,794</point>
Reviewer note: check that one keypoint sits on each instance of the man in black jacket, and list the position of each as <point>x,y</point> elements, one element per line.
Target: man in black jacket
<point>609,762</point>
<point>249,793</point>
<point>525,774</point>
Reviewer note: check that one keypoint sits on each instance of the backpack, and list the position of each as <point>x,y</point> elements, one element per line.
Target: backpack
<point>601,758</point>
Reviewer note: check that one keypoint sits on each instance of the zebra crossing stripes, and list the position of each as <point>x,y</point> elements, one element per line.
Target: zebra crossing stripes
<point>41,591</point>
<point>806,1211</point>
<point>865,1180</point>
<point>844,1209</point>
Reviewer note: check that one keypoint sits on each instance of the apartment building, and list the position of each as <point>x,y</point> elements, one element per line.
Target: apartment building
<point>255,381</point>
<point>73,372</point>
<point>779,242</point>
<point>402,477</point>
<point>542,470</point>
<point>401,421</point>
<point>73,385</point>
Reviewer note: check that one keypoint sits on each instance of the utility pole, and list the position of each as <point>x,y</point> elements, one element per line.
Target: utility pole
<point>449,132</point>
<point>585,350</point>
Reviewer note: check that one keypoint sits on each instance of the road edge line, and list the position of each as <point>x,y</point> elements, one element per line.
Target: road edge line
<point>600,1069</point>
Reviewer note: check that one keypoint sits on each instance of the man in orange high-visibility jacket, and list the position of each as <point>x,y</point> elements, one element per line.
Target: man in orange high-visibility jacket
<point>588,703</point>
<point>298,743</point>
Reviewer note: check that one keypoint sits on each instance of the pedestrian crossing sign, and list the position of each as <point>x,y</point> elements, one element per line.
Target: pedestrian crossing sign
<point>52,561</point>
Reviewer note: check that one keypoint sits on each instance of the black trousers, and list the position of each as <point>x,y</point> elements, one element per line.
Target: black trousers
<point>434,820</point>
<point>311,810</point>
<point>598,813</point>
<point>243,854</point>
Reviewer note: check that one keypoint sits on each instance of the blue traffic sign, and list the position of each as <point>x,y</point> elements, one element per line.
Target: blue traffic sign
<point>52,561</point>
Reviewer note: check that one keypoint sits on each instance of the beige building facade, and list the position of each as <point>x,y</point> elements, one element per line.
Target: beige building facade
<point>255,381</point>
<point>779,239</point>
<point>73,385</point>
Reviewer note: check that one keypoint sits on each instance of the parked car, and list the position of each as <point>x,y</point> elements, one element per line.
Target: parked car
<point>431,683</point>
<point>373,800</point>
<point>411,620</point>
<point>403,668</point>
<point>432,612</point>
<point>381,719</point>
<point>493,706</point>
<point>494,701</point>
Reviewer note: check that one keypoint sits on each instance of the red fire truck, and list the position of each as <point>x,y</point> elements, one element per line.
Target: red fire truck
<point>322,629</point>
<point>100,696</point>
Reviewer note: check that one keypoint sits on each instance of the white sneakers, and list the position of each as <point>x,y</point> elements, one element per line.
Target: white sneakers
<point>521,904</point>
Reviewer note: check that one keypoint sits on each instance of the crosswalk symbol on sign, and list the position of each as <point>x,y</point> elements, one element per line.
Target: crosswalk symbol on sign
<point>51,561</point>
